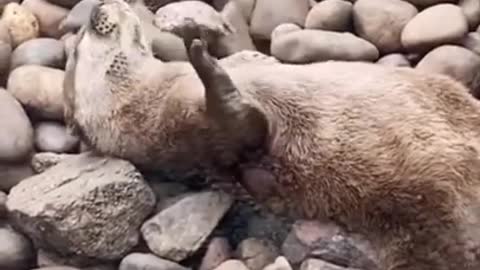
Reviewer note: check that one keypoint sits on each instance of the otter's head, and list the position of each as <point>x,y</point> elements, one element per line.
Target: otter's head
<point>115,25</point>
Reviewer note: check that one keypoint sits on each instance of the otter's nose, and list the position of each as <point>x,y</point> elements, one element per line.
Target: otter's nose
<point>104,18</point>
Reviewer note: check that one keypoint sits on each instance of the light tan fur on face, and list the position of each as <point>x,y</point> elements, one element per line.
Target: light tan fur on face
<point>388,152</point>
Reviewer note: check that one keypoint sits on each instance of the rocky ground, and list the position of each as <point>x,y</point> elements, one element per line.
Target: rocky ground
<point>63,209</point>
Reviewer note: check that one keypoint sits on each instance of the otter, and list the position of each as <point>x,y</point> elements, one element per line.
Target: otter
<point>390,153</point>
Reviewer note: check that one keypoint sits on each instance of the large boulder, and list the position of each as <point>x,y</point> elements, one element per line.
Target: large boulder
<point>306,46</point>
<point>86,206</point>
<point>184,224</point>
<point>381,22</point>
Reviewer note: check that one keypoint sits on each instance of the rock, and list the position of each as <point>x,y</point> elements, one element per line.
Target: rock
<point>308,46</point>
<point>13,173</point>
<point>232,265</point>
<point>240,39</point>
<point>16,250</point>
<point>422,32</point>
<point>331,15</point>
<point>53,137</point>
<point>43,161</point>
<point>86,206</point>
<point>145,261</point>
<point>77,16</point>
<point>181,228</point>
<point>218,251</point>
<point>471,9</point>
<point>427,3</point>
<point>51,259</point>
<point>256,253</point>
<point>39,89</point>
<point>327,242</point>
<point>472,42</point>
<point>314,264</point>
<point>265,18</point>
<point>381,22</point>
<point>48,15</point>
<point>16,132</point>
<point>394,60</point>
<point>3,204</point>
<point>168,47</point>
<point>283,29</point>
<point>246,7</point>
<point>57,268</point>
<point>5,52</point>
<point>456,62</point>
<point>174,18</point>
<point>280,263</point>
<point>47,52</point>
<point>20,22</point>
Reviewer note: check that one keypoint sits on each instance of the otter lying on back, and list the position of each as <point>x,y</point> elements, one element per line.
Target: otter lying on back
<point>388,152</point>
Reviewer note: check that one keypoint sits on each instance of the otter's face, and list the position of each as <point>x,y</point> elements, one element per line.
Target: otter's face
<point>113,22</point>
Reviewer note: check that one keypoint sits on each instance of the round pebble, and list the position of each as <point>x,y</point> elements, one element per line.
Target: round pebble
<point>471,9</point>
<point>333,15</point>
<point>49,16</point>
<point>53,137</point>
<point>394,60</point>
<point>40,51</point>
<point>381,22</point>
<point>284,28</point>
<point>16,250</point>
<point>16,132</point>
<point>430,29</point>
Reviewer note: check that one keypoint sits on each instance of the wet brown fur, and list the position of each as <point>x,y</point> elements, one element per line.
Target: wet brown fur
<point>388,152</point>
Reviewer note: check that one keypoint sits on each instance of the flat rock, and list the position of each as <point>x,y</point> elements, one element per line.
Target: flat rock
<point>232,265</point>
<point>394,60</point>
<point>39,89</point>
<point>16,132</point>
<point>16,250</point>
<point>331,15</point>
<point>456,62</point>
<point>145,261</point>
<point>86,206</point>
<point>12,173</point>
<point>49,16</point>
<point>218,251</point>
<point>182,227</point>
<point>471,9</point>
<point>280,263</point>
<point>381,22</point>
<point>256,253</point>
<point>306,46</point>
<point>53,137</point>
<point>472,42</point>
<point>265,18</point>
<point>20,22</point>
<point>327,242</point>
<point>47,52</point>
<point>43,161</point>
<point>422,32</point>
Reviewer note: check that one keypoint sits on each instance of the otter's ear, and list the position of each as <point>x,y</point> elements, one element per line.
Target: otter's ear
<point>241,120</point>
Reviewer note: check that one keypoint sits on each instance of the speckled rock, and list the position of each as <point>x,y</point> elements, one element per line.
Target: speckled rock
<point>16,132</point>
<point>306,46</point>
<point>40,51</point>
<point>39,89</point>
<point>422,32</point>
<point>265,18</point>
<point>20,22</point>
<point>381,22</point>
<point>332,15</point>
<point>42,161</point>
<point>109,194</point>
<point>456,62</point>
